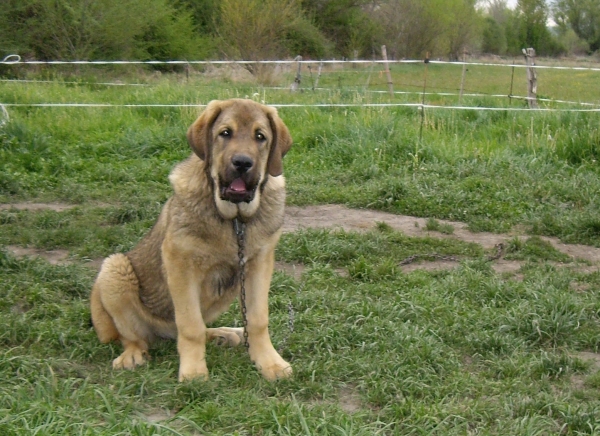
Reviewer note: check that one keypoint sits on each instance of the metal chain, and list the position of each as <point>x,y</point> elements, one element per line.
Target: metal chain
<point>499,252</point>
<point>240,232</point>
<point>239,228</point>
<point>497,255</point>
<point>415,257</point>
<point>292,316</point>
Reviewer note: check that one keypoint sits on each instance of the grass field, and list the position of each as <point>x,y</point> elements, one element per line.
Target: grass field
<point>375,350</point>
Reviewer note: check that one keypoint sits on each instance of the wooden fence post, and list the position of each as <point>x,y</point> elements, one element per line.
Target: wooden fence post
<point>296,85</point>
<point>369,76</point>
<point>426,62</point>
<point>318,74</point>
<point>531,78</point>
<point>387,71</point>
<point>512,80</point>
<point>462,79</point>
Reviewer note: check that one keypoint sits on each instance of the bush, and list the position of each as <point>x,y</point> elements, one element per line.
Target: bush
<point>111,29</point>
<point>304,39</point>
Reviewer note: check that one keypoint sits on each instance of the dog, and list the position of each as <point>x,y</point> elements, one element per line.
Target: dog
<point>185,272</point>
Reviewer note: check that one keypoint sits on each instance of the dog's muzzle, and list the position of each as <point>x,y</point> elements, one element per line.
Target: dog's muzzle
<point>239,186</point>
<point>237,192</point>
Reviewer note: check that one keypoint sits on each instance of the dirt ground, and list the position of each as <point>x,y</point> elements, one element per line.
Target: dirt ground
<point>336,216</point>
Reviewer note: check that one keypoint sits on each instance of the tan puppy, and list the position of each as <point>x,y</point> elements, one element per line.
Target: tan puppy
<point>185,272</point>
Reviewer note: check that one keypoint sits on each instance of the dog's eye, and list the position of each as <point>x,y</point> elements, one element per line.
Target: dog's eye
<point>260,137</point>
<point>225,133</point>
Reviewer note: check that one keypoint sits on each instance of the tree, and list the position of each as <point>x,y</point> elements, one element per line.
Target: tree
<point>257,30</point>
<point>499,35</point>
<point>347,23</point>
<point>583,16</point>
<point>205,13</point>
<point>92,29</point>
<point>414,27</point>
<point>411,27</point>
<point>498,10</point>
<point>533,15</point>
<point>463,25</point>
<point>533,30</point>
<point>493,37</point>
<point>512,31</point>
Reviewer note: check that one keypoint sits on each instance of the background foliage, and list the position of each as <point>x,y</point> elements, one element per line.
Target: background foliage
<point>264,29</point>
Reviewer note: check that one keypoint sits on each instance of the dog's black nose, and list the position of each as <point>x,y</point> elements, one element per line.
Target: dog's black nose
<point>242,163</point>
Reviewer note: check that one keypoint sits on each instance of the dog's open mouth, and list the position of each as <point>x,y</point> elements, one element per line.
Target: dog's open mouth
<point>237,192</point>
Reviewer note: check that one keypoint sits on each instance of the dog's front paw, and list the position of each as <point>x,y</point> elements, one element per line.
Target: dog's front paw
<point>191,372</point>
<point>228,337</point>
<point>274,368</point>
<point>130,358</point>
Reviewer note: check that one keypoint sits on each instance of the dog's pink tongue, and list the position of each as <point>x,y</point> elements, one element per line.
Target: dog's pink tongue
<point>237,185</point>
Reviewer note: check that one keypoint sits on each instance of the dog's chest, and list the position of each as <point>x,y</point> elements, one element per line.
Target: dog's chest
<point>222,280</point>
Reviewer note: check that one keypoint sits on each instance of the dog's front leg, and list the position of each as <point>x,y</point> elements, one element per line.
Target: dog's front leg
<point>262,353</point>
<point>184,287</point>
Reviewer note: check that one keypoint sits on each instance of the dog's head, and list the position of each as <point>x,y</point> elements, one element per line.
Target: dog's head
<point>242,143</point>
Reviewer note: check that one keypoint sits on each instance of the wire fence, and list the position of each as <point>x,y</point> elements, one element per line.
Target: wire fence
<point>16,60</point>
<point>330,75</point>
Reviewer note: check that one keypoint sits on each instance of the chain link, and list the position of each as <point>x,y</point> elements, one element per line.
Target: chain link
<point>499,252</point>
<point>239,228</point>
<point>415,257</point>
<point>291,319</point>
<point>240,232</point>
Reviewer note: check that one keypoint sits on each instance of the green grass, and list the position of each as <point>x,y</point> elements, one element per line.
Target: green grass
<point>375,350</point>
<point>435,225</point>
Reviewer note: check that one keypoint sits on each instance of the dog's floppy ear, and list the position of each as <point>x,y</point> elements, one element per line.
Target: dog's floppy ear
<point>282,142</point>
<point>199,134</point>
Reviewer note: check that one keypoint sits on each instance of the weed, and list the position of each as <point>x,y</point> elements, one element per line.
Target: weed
<point>434,225</point>
<point>463,351</point>
<point>534,249</point>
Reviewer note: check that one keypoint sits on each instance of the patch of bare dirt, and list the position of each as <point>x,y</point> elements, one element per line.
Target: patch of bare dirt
<point>158,415</point>
<point>349,399</point>
<point>291,269</point>
<point>296,269</point>
<point>56,207</point>
<point>336,216</point>
<point>95,264</point>
<point>55,257</point>
<point>502,266</point>
<point>233,73</point>
<point>434,265</point>
<point>333,215</point>
<point>592,358</point>
<point>578,381</point>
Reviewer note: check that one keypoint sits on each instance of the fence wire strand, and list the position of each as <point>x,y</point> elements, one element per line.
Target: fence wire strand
<point>13,60</point>
<point>301,105</point>
<point>8,60</point>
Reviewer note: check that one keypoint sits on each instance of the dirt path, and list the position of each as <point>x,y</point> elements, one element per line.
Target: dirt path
<point>57,207</point>
<point>331,216</point>
<point>336,216</point>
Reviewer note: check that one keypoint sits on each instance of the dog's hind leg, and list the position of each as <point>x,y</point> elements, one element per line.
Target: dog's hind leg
<point>102,321</point>
<point>228,336</point>
<point>117,311</point>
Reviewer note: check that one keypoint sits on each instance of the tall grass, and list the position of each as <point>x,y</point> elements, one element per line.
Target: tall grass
<point>491,169</point>
<point>375,350</point>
